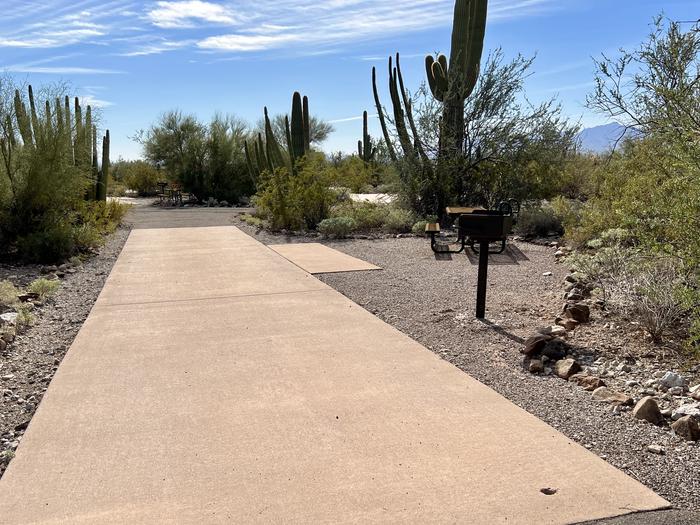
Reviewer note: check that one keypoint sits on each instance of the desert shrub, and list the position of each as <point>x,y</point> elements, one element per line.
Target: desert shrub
<point>54,243</point>
<point>649,289</point>
<point>399,220</point>
<point>25,319</point>
<point>87,237</point>
<point>297,200</point>
<point>419,227</point>
<point>252,220</point>
<point>337,226</point>
<point>140,176</point>
<point>538,221</point>
<point>44,288</point>
<point>8,294</point>
<point>367,215</point>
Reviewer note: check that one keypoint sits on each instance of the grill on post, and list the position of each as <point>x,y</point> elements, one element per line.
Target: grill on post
<point>478,229</point>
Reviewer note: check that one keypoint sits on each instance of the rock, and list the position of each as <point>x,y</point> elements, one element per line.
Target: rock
<point>575,294</point>
<point>688,428</point>
<point>694,389</point>
<point>696,395</point>
<point>554,331</point>
<point>224,204</point>
<point>547,274</point>
<point>647,409</point>
<point>555,350</point>
<point>689,409</point>
<point>3,345</point>
<point>656,449</point>
<point>666,412</point>
<point>671,379</point>
<point>536,366</point>
<point>559,253</point>
<point>571,278</point>
<point>587,382</point>
<point>608,395</point>
<point>578,312</point>
<point>676,390</point>
<point>8,337</point>
<point>535,344</point>
<point>566,368</point>
<point>569,324</point>
<point>9,318</point>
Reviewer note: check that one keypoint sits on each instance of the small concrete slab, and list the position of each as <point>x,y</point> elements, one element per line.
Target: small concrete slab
<point>318,258</point>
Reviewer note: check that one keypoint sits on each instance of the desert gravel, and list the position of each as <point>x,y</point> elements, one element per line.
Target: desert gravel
<point>29,363</point>
<point>432,301</point>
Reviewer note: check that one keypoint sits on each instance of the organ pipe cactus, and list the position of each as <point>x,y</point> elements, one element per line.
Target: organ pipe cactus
<point>365,150</point>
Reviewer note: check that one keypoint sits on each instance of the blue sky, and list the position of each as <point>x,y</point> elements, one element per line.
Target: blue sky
<point>138,59</point>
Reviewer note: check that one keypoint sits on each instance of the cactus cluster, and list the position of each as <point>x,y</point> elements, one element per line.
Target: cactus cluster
<point>77,133</point>
<point>267,154</point>
<point>365,150</point>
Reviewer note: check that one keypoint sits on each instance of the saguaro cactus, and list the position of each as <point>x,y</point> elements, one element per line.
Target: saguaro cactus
<point>268,155</point>
<point>453,83</point>
<point>101,189</point>
<point>365,150</point>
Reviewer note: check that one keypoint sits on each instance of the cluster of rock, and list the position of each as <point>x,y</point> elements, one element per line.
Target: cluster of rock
<point>666,399</point>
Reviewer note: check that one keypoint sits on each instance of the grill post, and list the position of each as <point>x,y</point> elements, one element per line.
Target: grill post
<point>482,279</point>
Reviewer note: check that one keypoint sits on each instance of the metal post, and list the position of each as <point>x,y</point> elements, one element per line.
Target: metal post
<point>482,280</point>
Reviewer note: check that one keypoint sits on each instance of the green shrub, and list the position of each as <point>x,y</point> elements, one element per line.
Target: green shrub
<point>25,319</point>
<point>538,222</point>
<point>337,226</point>
<point>298,200</point>
<point>367,215</point>
<point>8,294</point>
<point>419,227</point>
<point>399,220</point>
<point>44,288</point>
<point>139,176</point>
<point>55,243</point>
<point>252,220</point>
<point>87,237</point>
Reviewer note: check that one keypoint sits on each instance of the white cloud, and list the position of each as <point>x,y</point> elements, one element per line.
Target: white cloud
<point>61,70</point>
<point>247,42</point>
<point>184,14</point>
<point>90,100</point>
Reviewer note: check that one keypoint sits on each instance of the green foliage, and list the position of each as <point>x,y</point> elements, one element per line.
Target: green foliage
<point>252,220</point>
<point>399,220</point>
<point>299,200</point>
<point>419,228</point>
<point>338,227</point>
<point>367,215</point>
<point>8,294</point>
<point>206,161</point>
<point>44,288</point>
<point>365,150</point>
<point>538,221</point>
<point>25,319</point>
<point>139,176</point>
<point>53,243</point>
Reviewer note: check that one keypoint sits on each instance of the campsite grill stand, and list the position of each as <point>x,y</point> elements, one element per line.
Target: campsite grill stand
<point>478,227</point>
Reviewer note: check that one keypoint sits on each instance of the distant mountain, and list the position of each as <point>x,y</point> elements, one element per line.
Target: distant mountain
<point>601,138</point>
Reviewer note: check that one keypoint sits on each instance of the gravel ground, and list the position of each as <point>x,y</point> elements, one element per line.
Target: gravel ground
<point>432,301</point>
<point>29,363</point>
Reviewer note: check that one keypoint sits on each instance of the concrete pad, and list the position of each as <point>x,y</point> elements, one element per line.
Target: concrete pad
<point>318,258</point>
<point>296,407</point>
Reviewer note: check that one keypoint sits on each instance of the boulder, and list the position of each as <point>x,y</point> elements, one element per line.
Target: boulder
<point>580,313</point>
<point>565,368</point>
<point>588,383</point>
<point>535,344</point>
<point>688,428</point>
<point>554,331</point>
<point>648,410</point>
<point>3,345</point>
<point>608,395</point>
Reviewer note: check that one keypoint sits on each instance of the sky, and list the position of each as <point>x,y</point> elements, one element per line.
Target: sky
<point>136,60</point>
